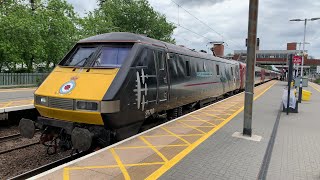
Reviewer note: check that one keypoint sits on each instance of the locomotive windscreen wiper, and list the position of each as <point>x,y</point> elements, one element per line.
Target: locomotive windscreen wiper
<point>84,59</point>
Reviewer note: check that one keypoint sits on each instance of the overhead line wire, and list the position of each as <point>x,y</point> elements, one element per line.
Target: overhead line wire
<point>239,46</point>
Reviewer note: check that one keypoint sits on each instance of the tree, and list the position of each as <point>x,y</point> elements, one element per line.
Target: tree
<point>41,34</point>
<point>136,16</point>
<point>59,29</point>
<point>19,41</point>
<point>36,36</point>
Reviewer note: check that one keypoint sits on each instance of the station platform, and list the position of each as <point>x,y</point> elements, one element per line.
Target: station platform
<point>16,99</point>
<point>205,145</point>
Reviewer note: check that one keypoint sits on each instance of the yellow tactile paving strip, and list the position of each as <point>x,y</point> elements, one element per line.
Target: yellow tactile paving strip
<point>151,154</point>
<point>15,103</point>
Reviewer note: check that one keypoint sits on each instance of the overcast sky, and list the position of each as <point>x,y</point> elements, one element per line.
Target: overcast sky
<point>228,22</point>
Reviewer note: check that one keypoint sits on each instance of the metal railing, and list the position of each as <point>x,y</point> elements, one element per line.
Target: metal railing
<point>22,79</point>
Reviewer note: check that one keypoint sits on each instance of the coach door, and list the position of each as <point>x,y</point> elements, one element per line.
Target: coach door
<point>163,84</point>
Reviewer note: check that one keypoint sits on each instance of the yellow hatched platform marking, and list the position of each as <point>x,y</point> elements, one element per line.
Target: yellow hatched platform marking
<point>213,115</point>
<point>168,135</point>
<point>198,119</point>
<point>182,154</point>
<point>92,167</point>
<point>175,135</point>
<point>203,126</point>
<point>160,146</point>
<point>154,149</point>
<point>121,166</point>
<point>192,127</point>
<point>144,164</point>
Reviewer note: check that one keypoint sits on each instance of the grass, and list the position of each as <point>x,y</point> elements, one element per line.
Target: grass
<point>317,81</point>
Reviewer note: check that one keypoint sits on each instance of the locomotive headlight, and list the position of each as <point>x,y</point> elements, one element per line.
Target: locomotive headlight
<point>87,105</point>
<point>41,100</point>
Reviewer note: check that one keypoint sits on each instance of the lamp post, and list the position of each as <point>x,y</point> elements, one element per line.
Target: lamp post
<point>304,40</point>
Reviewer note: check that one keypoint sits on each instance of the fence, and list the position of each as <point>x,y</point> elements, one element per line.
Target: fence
<point>21,79</point>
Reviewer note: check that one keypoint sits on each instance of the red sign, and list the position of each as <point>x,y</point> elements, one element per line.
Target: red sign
<point>297,59</point>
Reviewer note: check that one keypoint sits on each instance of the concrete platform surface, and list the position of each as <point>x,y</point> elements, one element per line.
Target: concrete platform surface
<point>16,99</point>
<point>152,153</point>
<point>296,152</point>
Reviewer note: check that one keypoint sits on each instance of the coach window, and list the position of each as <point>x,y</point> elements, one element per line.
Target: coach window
<point>187,68</point>
<point>217,69</point>
<point>161,60</point>
<point>231,71</point>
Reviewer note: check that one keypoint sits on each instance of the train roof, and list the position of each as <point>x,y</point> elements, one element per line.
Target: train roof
<point>131,37</point>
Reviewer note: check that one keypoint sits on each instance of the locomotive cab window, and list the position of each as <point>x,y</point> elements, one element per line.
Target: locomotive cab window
<point>111,56</point>
<point>79,57</point>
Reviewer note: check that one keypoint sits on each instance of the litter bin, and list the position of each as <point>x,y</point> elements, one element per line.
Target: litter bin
<point>306,95</point>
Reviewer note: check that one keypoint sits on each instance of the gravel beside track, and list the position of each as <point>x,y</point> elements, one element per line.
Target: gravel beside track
<point>23,160</point>
<point>6,131</point>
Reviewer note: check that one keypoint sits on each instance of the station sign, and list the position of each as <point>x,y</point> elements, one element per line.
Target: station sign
<point>297,59</point>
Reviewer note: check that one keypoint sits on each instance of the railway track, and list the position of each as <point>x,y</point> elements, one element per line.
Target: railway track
<point>10,137</point>
<point>49,166</point>
<point>4,139</point>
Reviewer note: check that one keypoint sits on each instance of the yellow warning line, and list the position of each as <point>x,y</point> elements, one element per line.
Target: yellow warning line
<point>314,87</point>
<point>154,149</point>
<point>66,173</point>
<point>121,166</point>
<point>175,135</point>
<point>186,151</point>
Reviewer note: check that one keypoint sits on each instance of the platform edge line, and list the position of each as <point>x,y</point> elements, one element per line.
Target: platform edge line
<point>181,155</point>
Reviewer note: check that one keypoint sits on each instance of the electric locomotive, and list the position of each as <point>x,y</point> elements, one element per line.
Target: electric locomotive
<point>108,86</point>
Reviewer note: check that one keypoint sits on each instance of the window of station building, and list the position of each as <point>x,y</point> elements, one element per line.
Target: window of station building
<point>217,69</point>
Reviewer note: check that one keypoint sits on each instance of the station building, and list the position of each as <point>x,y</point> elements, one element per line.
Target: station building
<point>278,58</point>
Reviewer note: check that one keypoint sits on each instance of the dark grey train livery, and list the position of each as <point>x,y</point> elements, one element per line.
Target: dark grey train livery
<point>154,79</point>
